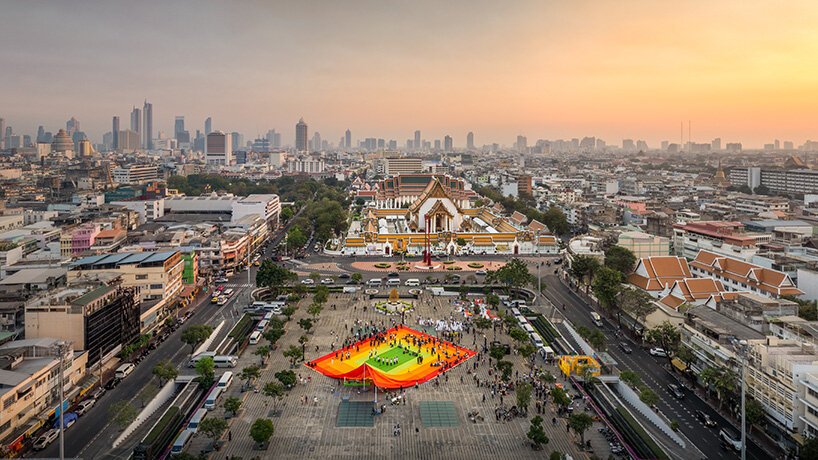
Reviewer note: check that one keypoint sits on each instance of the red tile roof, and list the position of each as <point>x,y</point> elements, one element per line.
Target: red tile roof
<point>770,281</point>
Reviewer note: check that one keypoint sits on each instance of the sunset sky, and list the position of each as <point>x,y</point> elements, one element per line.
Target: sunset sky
<point>740,70</point>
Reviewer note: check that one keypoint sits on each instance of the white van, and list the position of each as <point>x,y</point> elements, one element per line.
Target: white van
<point>528,328</point>
<point>596,319</point>
<point>412,282</point>
<point>374,282</point>
<point>255,337</point>
<point>393,282</point>
<point>537,340</point>
<point>350,289</point>
<point>124,370</point>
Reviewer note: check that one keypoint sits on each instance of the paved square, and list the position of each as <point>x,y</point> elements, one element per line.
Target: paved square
<point>438,414</point>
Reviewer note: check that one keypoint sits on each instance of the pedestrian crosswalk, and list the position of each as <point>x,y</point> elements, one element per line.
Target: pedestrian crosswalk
<point>237,285</point>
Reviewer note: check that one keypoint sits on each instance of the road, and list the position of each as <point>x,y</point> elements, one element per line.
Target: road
<point>655,376</point>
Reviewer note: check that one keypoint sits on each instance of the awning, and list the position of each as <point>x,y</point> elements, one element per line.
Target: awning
<point>678,364</point>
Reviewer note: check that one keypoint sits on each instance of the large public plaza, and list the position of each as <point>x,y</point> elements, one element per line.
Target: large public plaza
<point>323,418</point>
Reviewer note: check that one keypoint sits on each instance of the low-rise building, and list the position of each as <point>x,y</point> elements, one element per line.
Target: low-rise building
<point>656,275</point>
<point>726,238</point>
<point>737,275</point>
<point>644,245</point>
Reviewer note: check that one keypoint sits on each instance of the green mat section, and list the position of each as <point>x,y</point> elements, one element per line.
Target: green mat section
<point>392,353</point>
<point>438,414</point>
<point>355,413</point>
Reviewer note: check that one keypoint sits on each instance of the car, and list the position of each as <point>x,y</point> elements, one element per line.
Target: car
<point>307,282</point>
<point>111,384</point>
<point>625,347</point>
<point>675,390</point>
<point>481,272</point>
<point>454,278</point>
<point>45,439</point>
<point>705,419</point>
<point>222,280</point>
<point>393,274</point>
<point>220,288</point>
<point>351,282</point>
<point>344,276</point>
<point>257,263</point>
<point>85,406</point>
<point>96,394</point>
<point>656,351</point>
<point>731,438</point>
<point>327,281</point>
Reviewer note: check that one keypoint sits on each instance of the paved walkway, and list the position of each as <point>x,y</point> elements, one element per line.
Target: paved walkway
<point>309,430</point>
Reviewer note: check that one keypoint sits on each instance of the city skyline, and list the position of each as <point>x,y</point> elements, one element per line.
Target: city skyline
<point>550,71</point>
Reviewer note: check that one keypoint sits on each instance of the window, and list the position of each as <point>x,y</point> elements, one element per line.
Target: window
<point>156,286</point>
<point>8,402</point>
<point>141,277</point>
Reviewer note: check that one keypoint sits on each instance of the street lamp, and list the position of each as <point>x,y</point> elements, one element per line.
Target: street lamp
<point>740,347</point>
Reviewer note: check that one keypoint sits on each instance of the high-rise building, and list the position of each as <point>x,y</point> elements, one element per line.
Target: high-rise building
<point>237,140</point>
<point>40,133</point>
<point>301,136</point>
<point>316,141</point>
<point>2,133</point>
<point>417,144</point>
<point>715,145</point>
<point>72,126</point>
<point>219,149</point>
<point>136,120</point>
<point>448,144</point>
<point>115,130</point>
<point>437,144</point>
<point>127,140</point>
<point>147,125</point>
<point>522,143</point>
<point>348,139</point>
<point>470,141</point>
<point>208,126</point>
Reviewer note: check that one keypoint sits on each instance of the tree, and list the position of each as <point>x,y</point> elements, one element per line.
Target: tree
<point>321,295</point>
<point>527,350</point>
<point>555,455</point>
<point>518,335</point>
<point>505,368</point>
<point>274,390</point>
<point>296,237</point>
<point>286,213</point>
<point>165,371</point>
<point>274,276</point>
<point>809,451</point>
<point>263,352</point>
<point>294,354</point>
<point>213,427</point>
<point>315,309</point>
<point>287,378</point>
<point>460,241</point>
<point>122,414</point>
<point>205,369</point>
<point>666,335</point>
<point>315,276</point>
<point>560,397</point>
<point>195,335</point>
<point>497,352</point>
<point>305,324</point>
<point>514,274</point>
<point>481,323</point>
<point>685,355</point>
<point>620,259</point>
<point>754,412</point>
<point>630,378</point>
<point>250,373</point>
<point>648,396</point>
<point>597,340</point>
<point>357,277</point>
<point>580,423</point>
<point>288,311</point>
<point>725,383</point>
<point>523,396</point>
<point>606,286</point>
<point>584,266</point>
<point>493,300</point>
<point>273,334</point>
<point>556,221</point>
<point>262,430</point>
<point>637,303</point>
<point>536,433</point>
<point>232,405</point>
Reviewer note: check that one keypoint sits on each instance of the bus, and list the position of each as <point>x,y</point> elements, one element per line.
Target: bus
<point>181,442</point>
<point>262,325</point>
<point>212,398</point>
<point>268,316</point>
<point>255,337</point>
<point>225,380</point>
<point>596,319</point>
<point>225,361</point>
<point>197,418</point>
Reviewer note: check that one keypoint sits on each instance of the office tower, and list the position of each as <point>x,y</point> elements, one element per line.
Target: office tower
<point>2,133</point>
<point>642,146</point>
<point>788,145</point>
<point>6,135</point>
<point>72,126</point>
<point>417,140</point>
<point>522,143</point>
<point>393,144</point>
<point>27,141</point>
<point>316,141</point>
<point>178,126</point>
<point>628,145</point>
<point>715,144</point>
<point>219,149</point>
<point>437,144</point>
<point>348,139</point>
<point>664,145</point>
<point>237,140</point>
<point>115,130</point>
<point>470,141</point>
<point>127,140</point>
<point>208,126</point>
<point>777,144</point>
<point>40,133</point>
<point>448,144</point>
<point>301,136</point>
<point>136,120</point>
<point>147,126</point>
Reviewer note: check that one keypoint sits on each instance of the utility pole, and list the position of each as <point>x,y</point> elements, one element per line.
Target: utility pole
<point>61,351</point>
<point>743,415</point>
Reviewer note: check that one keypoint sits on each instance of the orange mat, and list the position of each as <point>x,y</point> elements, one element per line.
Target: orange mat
<point>436,356</point>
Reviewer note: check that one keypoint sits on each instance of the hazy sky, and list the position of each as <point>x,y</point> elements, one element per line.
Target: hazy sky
<point>739,69</point>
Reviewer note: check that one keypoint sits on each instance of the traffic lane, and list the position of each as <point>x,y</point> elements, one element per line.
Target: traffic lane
<point>661,377</point>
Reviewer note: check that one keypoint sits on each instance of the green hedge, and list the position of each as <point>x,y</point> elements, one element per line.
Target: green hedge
<point>648,440</point>
<point>242,328</point>
<point>160,427</point>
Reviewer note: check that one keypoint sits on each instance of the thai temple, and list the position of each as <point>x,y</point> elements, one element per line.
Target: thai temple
<point>403,211</point>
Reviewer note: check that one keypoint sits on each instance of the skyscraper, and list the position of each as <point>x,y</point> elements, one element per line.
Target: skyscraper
<point>316,141</point>
<point>147,125</point>
<point>448,145</point>
<point>417,140</point>
<point>115,131</point>
<point>208,126</point>
<point>178,126</point>
<point>348,139</point>
<point>470,141</point>
<point>72,126</point>
<point>136,120</point>
<point>522,143</point>
<point>301,136</point>
<point>218,148</point>
<point>2,133</point>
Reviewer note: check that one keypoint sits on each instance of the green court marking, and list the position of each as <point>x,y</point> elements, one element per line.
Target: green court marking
<point>392,353</point>
<point>355,413</point>
<point>438,414</point>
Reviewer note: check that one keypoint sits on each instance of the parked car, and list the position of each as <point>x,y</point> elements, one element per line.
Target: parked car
<point>481,272</point>
<point>84,406</point>
<point>730,438</point>
<point>344,276</point>
<point>705,419</point>
<point>96,394</point>
<point>307,281</point>
<point>625,347</point>
<point>111,384</point>
<point>327,281</point>
<point>45,439</point>
<point>393,274</point>
<point>656,351</point>
<point>222,280</point>
<point>675,391</point>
